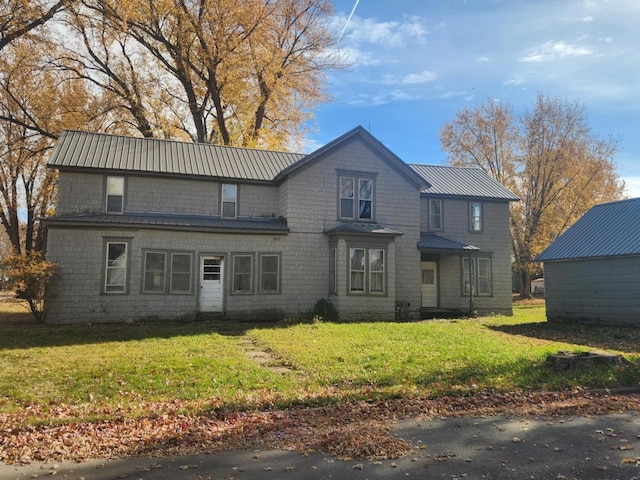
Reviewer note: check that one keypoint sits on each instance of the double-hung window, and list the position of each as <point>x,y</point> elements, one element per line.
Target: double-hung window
<point>163,270</point>
<point>479,277</point>
<point>114,202</point>
<point>154,272</point>
<point>115,278</point>
<point>181,273</point>
<point>242,273</point>
<point>367,271</point>
<point>356,197</point>
<point>475,216</point>
<point>435,214</point>
<point>229,200</point>
<point>269,273</point>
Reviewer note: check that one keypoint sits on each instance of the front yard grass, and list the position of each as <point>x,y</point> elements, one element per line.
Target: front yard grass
<point>102,369</point>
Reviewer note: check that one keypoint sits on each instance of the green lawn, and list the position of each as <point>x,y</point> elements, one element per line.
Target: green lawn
<point>205,365</point>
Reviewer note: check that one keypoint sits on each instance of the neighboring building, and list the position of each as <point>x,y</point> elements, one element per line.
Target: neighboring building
<point>149,228</point>
<point>592,271</point>
<point>537,286</point>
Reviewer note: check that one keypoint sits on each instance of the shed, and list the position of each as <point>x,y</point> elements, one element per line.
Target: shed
<point>592,271</point>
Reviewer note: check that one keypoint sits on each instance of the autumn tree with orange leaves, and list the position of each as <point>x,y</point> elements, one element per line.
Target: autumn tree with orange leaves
<point>549,157</point>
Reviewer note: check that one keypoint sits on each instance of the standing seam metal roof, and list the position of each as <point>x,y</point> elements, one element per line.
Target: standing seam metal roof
<point>113,152</point>
<point>608,229</point>
<point>462,181</point>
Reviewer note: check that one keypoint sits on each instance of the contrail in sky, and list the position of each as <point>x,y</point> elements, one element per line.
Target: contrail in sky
<point>348,19</point>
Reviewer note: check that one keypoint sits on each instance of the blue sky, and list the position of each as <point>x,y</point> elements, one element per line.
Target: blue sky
<point>415,63</point>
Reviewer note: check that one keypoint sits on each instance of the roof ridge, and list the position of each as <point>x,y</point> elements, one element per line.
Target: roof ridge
<point>444,166</point>
<point>171,140</point>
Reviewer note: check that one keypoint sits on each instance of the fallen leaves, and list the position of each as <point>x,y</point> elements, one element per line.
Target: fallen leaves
<point>347,430</point>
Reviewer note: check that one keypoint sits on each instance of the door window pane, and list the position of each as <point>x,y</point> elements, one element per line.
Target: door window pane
<point>211,269</point>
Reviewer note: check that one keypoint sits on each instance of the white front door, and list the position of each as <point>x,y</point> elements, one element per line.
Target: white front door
<point>429,276</point>
<point>211,284</point>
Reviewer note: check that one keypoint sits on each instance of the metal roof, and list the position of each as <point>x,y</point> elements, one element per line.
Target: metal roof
<point>462,181</point>
<point>429,241</point>
<point>362,227</point>
<point>77,149</point>
<point>182,222</point>
<point>609,229</point>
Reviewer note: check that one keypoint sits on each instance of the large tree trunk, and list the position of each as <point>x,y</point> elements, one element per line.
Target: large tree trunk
<point>525,282</point>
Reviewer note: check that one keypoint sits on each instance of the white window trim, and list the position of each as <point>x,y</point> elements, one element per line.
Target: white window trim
<point>108,268</point>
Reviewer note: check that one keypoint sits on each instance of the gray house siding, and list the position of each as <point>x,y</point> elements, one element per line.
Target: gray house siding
<point>311,205</point>
<point>600,290</point>
<point>168,212</point>
<point>493,242</point>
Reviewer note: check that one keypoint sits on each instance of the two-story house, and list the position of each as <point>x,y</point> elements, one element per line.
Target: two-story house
<point>149,228</point>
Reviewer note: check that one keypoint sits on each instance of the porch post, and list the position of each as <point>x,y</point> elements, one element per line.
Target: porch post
<point>471,286</point>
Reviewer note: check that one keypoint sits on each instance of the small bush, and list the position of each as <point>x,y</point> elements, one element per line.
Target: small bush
<point>29,275</point>
<point>324,310</point>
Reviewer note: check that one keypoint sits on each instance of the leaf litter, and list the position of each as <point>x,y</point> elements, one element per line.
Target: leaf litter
<point>348,430</point>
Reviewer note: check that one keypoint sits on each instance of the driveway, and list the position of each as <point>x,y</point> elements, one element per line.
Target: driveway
<point>572,447</point>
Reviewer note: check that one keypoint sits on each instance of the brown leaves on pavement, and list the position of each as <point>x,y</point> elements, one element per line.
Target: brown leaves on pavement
<point>348,430</point>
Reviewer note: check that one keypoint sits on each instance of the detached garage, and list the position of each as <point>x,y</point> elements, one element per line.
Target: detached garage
<point>592,271</point>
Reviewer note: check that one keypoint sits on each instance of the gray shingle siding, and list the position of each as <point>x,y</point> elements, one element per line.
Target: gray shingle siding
<point>172,204</point>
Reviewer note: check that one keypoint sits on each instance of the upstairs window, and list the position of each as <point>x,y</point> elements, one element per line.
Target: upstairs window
<point>229,200</point>
<point>435,214</point>
<point>356,198</point>
<point>115,195</point>
<point>475,216</point>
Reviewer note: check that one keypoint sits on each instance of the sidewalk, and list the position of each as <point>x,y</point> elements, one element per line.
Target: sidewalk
<point>599,448</point>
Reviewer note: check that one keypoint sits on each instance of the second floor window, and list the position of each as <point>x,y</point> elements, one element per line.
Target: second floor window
<point>115,195</point>
<point>435,214</point>
<point>356,198</point>
<point>475,216</point>
<point>229,200</point>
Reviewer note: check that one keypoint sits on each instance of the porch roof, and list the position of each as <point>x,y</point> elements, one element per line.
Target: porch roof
<point>366,228</point>
<point>432,242</point>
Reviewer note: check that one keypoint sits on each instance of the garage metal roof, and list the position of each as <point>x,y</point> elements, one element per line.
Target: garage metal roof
<point>463,182</point>
<point>609,229</point>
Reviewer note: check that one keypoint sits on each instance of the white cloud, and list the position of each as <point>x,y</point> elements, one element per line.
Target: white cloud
<point>422,77</point>
<point>387,34</point>
<point>551,51</point>
<point>482,59</point>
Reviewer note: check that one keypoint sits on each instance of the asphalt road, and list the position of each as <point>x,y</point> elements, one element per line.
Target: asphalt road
<point>600,448</point>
